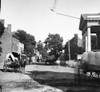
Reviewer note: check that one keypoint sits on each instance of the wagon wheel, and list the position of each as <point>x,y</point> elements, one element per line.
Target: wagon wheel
<point>5,68</point>
<point>77,75</point>
<point>80,74</point>
<point>17,69</point>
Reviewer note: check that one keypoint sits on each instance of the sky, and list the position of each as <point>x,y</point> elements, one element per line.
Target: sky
<point>37,19</point>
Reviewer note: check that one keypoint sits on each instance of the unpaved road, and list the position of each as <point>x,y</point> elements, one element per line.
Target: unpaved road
<point>50,68</point>
<point>62,78</point>
<point>18,82</point>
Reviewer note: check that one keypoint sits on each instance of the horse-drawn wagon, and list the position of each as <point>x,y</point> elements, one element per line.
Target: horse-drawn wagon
<point>89,65</point>
<point>13,62</point>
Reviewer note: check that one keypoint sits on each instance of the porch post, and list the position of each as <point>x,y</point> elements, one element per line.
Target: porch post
<point>86,44</point>
<point>88,39</point>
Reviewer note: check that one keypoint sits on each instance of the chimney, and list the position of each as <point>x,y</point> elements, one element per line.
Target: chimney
<point>9,27</point>
<point>76,35</point>
<point>76,38</point>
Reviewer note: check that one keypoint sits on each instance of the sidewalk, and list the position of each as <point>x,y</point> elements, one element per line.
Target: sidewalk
<point>18,82</point>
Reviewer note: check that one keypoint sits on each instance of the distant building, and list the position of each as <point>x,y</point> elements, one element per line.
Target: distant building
<point>77,40</point>
<point>74,47</point>
<point>10,43</point>
<point>20,48</point>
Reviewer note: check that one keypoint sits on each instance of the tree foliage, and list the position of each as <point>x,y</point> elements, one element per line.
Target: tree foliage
<point>53,44</point>
<point>1,33</point>
<point>42,49</point>
<point>28,41</point>
<point>1,29</point>
<point>39,46</point>
<point>51,47</point>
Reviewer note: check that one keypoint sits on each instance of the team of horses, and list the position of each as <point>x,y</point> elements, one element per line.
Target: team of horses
<point>14,61</point>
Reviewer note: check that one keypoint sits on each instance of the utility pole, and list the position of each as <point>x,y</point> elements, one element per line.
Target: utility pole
<point>0,5</point>
<point>69,49</point>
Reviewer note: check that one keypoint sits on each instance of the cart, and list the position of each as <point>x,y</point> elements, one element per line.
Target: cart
<point>89,70</point>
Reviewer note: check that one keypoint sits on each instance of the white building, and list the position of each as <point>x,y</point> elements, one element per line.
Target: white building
<point>20,48</point>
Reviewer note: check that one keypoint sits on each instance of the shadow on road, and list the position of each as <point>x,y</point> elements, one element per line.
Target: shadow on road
<point>66,81</point>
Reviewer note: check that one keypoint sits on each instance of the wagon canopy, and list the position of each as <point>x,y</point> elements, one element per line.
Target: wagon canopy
<point>92,58</point>
<point>13,56</point>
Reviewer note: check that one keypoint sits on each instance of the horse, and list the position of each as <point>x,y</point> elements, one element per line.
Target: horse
<point>12,61</point>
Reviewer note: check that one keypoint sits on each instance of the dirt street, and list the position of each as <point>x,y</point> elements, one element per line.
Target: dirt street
<point>18,82</point>
<point>49,68</point>
<point>64,78</point>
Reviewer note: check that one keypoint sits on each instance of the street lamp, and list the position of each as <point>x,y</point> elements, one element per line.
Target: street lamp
<point>53,10</point>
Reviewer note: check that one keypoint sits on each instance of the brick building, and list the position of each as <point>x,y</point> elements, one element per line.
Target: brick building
<point>9,44</point>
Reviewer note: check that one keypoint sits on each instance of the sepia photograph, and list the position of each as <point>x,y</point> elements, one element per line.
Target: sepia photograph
<point>49,45</point>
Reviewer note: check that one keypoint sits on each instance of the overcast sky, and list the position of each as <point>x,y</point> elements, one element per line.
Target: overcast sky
<point>35,17</point>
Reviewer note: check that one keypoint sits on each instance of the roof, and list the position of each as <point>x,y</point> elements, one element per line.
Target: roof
<point>85,16</point>
<point>88,17</point>
<point>13,35</point>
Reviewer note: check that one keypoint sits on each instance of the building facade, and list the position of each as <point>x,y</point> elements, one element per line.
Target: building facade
<point>15,42</point>
<point>20,48</point>
<point>74,47</point>
<point>90,24</point>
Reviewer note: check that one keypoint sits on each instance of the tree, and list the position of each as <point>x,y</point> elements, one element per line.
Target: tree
<point>39,46</point>
<point>28,41</point>
<point>1,29</point>
<point>1,33</point>
<point>42,50</point>
<point>53,45</point>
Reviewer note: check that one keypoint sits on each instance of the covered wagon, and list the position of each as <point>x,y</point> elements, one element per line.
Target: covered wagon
<point>90,62</point>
